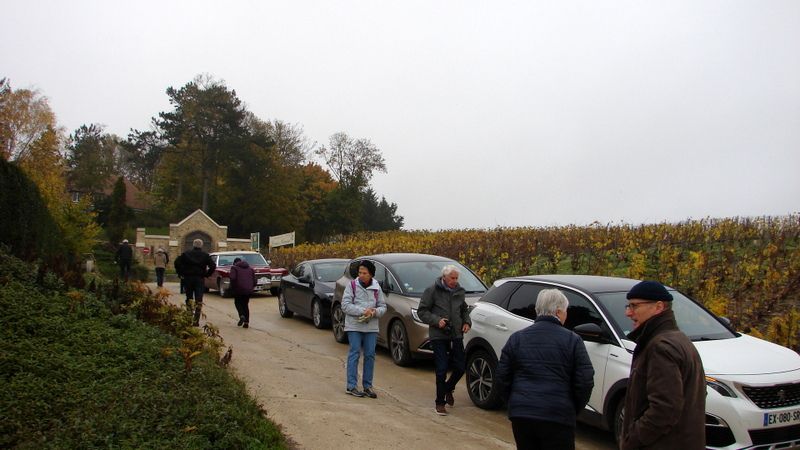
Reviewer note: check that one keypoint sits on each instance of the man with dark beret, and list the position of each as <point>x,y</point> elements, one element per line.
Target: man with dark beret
<point>666,397</point>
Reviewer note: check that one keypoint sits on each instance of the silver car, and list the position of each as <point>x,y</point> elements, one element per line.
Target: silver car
<point>403,278</point>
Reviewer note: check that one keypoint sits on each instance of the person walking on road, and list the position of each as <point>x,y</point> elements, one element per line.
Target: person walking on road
<point>444,308</point>
<point>666,397</point>
<point>546,376</point>
<point>193,266</point>
<point>243,281</point>
<point>363,303</point>
<point>124,258</point>
<point>161,259</point>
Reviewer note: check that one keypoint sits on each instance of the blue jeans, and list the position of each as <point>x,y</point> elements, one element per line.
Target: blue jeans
<point>361,341</point>
<point>447,354</point>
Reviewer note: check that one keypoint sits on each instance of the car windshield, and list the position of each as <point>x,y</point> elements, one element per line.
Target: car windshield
<point>416,276</point>
<point>694,321</point>
<point>330,271</point>
<point>254,259</point>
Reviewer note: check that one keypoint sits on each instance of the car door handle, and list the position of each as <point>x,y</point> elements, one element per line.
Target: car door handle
<point>501,327</point>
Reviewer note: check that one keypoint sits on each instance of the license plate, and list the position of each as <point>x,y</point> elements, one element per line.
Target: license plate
<point>263,281</point>
<point>781,418</point>
<point>276,278</point>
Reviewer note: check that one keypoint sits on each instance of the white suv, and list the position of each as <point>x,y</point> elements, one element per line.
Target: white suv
<point>753,386</point>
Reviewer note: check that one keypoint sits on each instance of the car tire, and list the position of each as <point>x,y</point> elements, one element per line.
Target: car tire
<point>337,321</point>
<point>221,288</point>
<point>619,417</point>
<point>481,380</point>
<point>275,291</point>
<point>283,308</point>
<point>317,315</point>
<point>398,343</point>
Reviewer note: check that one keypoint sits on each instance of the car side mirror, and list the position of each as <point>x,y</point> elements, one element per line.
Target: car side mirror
<point>305,278</point>
<point>591,332</point>
<point>384,287</point>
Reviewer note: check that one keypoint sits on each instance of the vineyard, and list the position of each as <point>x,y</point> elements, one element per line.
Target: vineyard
<point>747,269</point>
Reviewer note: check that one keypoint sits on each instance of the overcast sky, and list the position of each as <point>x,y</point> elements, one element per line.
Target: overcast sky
<point>527,113</point>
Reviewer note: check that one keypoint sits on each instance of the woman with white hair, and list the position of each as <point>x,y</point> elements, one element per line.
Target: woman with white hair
<point>546,376</point>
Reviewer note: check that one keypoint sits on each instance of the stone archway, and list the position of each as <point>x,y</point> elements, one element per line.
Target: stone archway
<point>197,234</point>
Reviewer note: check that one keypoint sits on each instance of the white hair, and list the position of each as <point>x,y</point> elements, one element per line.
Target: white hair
<point>550,300</point>
<point>448,269</point>
<point>198,243</point>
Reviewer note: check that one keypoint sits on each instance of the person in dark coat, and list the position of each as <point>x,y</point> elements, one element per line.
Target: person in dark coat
<point>124,258</point>
<point>666,398</point>
<point>546,376</point>
<point>193,266</point>
<point>243,281</point>
<point>444,308</point>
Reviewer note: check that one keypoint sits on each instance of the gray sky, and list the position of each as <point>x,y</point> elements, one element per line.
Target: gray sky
<point>503,113</point>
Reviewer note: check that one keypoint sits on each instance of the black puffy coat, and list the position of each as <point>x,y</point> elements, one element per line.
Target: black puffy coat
<point>545,373</point>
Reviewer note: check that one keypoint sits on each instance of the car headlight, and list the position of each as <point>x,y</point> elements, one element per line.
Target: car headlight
<point>415,316</point>
<point>720,387</point>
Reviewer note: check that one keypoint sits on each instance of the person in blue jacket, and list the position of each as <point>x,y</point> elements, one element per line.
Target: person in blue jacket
<point>363,303</point>
<point>546,377</point>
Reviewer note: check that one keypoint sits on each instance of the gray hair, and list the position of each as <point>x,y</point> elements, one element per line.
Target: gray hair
<point>550,300</point>
<point>448,269</point>
<point>197,243</point>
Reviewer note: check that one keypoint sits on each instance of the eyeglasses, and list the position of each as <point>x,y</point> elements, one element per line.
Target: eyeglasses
<point>632,306</point>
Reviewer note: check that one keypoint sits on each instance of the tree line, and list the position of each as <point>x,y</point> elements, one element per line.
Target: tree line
<point>206,151</point>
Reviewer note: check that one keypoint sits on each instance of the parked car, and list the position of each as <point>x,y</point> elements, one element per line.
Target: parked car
<point>753,386</point>
<point>267,278</point>
<point>403,278</point>
<point>308,290</point>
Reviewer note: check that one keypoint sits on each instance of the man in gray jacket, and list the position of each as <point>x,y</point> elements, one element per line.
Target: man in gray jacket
<point>444,308</point>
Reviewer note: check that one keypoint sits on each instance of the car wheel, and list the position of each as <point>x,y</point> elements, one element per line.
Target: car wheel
<point>275,291</point>
<point>398,344</point>
<point>337,317</point>
<point>619,416</point>
<point>223,292</point>
<point>317,315</point>
<point>283,308</point>
<point>481,370</point>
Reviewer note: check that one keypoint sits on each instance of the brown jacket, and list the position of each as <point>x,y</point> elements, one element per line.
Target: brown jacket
<point>666,398</point>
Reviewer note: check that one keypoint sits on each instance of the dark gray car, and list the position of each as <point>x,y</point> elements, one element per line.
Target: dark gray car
<point>308,290</point>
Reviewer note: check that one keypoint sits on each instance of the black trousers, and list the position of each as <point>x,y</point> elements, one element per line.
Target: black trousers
<point>160,276</point>
<point>194,287</point>
<point>242,303</point>
<point>541,435</point>
<point>124,269</point>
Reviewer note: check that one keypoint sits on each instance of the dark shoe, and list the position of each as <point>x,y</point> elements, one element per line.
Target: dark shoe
<point>370,393</point>
<point>246,325</point>
<point>241,321</point>
<point>441,410</point>
<point>449,399</point>
<point>354,392</point>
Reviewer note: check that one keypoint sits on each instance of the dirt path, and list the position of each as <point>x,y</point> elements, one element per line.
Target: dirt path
<point>297,373</point>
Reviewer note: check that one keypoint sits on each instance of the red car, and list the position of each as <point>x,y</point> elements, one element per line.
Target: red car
<point>267,278</point>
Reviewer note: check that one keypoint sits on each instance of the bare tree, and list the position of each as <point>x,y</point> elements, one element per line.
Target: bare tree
<point>352,162</point>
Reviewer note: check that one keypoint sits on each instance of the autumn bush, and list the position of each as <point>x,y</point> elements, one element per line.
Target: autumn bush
<point>747,269</point>
<point>113,366</point>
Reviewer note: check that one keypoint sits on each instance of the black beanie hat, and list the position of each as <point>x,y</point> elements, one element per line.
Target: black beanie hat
<point>650,290</point>
<point>369,265</point>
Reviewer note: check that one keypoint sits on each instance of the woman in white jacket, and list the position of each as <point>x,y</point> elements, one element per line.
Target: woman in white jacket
<point>362,303</point>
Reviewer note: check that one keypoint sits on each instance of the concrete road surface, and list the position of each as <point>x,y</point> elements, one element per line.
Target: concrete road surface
<point>297,373</point>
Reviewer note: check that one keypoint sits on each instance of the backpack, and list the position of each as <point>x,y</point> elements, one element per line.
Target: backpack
<point>353,287</point>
